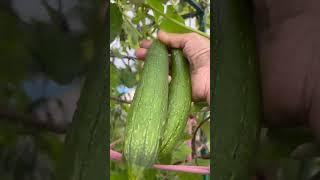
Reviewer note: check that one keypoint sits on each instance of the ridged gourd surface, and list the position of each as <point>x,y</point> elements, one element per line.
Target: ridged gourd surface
<point>148,111</point>
<point>179,102</point>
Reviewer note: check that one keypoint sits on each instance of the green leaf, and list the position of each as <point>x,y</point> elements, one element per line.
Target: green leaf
<point>127,77</point>
<point>206,129</point>
<point>137,2</point>
<point>115,21</point>
<point>169,26</point>
<point>133,35</point>
<point>116,53</point>
<point>114,77</point>
<point>150,174</point>
<point>118,175</point>
<point>185,136</point>
<point>181,153</point>
<point>310,169</point>
<point>15,57</point>
<point>57,53</point>
<point>202,162</point>
<point>88,49</point>
<point>174,23</point>
<point>189,176</point>
<point>8,133</point>
<point>281,142</point>
<point>141,15</point>
<point>51,144</point>
<point>155,4</point>
<point>200,104</point>
<point>290,169</point>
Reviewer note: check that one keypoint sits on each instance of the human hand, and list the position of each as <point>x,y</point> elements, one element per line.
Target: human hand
<point>288,44</point>
<point>197,50</point>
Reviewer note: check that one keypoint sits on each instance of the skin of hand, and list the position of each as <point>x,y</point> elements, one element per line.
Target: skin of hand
<point>197,50</point>
<point>288,42</point>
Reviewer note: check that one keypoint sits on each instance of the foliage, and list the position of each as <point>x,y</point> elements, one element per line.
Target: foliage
<point>140,20</point>
<point>53,50</point>
<point>60,54</point>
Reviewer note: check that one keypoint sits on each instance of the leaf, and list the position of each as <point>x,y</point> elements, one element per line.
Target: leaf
<point>158,7</point>
<point>137,2</point>
<point>18,98</point>
<point>290,169</point>
<point>150,174</point>
<point>206,129</point>
<point>196,107</point>
<point>306,151</point>
<point>116,53</point>
<point>118,176</point>
<point>181,153</point>
<point>114,77</point>
<point>127,77</point>
<point>185,136</point>
<point>281,142</point>
<point>140,15</point>
<point>172,21</point>
<point>15,57</point>
<point>88,49</point>
<point>58,54</point>
<point>311,169</point>
<point>115,21</point>
<point>8,133</point>
<point>189,176</point>
<point>169,26</point>
<point>200,104</point>
<point>202,162</point>
<point>133,35</point>
<point>51,144</point>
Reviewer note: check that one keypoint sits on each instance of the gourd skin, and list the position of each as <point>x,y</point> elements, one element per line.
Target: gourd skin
<point>147,113</point>
<point>179,103</point>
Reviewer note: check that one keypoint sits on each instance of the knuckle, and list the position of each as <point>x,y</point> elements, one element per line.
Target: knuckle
<point>193,35</point>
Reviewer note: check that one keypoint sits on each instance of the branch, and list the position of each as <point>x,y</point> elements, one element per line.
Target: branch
<point>200,13</point>
<point>29,120</point>
<point>129,57</point>
<point>189,15</point>
<point>191,123</point>
<point>120,100</point>
<point>196,6</point>
<point>127,65</point>
<point>204,156</point>
<point>194,136</point>
<point>123,56</point>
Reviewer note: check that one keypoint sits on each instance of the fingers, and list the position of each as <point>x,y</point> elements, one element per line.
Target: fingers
<point>145,44</point>
<point>141,53</point>
<point>176,40</point>
<point>172,40</point>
